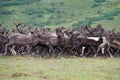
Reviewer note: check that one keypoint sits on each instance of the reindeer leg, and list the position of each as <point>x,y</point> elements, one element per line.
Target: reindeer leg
<point>93,49</point>
<point>74,51</point>
<point>50,50</point>
<point>57,52</point>
<point>79,50</point>
<point>13,51</point>
<point>3,47</point>
<point>40,52</point>
<point>108,49</point>
<point>22,50</point>
<point>68,52</point>
<point>116,53</point>
<point>83,50</point>
<point>6,48</point>
<point>28,49</point>
<point>99,48</point>
<point>45,51</point>
<point>103,50</point>
<point>89,50</point>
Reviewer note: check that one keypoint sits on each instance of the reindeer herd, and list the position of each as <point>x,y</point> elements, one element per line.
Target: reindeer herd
<point>83,41</point>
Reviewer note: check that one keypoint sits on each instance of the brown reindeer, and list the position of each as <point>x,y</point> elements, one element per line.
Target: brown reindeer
<point>3,41</point>
<point>17,39</point>
<point>112,42</point>
<point>49,39</point>
<point>109,41</point>
<point>90,43</point>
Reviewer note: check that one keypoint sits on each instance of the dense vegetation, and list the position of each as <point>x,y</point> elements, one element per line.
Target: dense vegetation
<point>53,13</point>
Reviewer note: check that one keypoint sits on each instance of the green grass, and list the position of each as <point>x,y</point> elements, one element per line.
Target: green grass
<point>30,68</point>
<point>55,13</point>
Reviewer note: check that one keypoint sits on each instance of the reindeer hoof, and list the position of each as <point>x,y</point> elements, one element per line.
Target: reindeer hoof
<point>1,54</point>
<point>83,56</point>
<point>4,54</point>
<point>95,56</point>
<point>111,56</point>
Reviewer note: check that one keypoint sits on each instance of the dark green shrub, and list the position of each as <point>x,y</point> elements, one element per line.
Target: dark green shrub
<point>94,5</point>
<point>81,23</point>
<point>16,2</point>
<point>47,22</point>
<point>52,4</point>
<point>5,12</point>
<point>33,11</point>
<point>61,3</point>
<point>99,1</point>
<point>99,12</point>
<point>50,10</point>
<point>72,14</point>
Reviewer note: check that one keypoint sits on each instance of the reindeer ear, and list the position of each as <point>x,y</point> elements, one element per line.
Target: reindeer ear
<point>91,19</point>
<point>29,27</point>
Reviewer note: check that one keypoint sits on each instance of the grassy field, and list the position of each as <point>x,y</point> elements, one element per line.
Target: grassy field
<point>55,13</point>
<point>30,68</point>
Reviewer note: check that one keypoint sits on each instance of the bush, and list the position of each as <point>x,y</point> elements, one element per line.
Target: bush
<point>5,12</point>
<point>107,16</point>
<point>52,4</point>
<point>47,22</point>
<point>99,12</point>
<point>81,23</point>
<point>61,3</point>
<point>94,5</point>
<point>75,25</point>
<point>40,15</point>
<point>99,1</point>
<point>16,2</point>
<point>33,11</point>
<point>72,14</point>
<point>50,10</point>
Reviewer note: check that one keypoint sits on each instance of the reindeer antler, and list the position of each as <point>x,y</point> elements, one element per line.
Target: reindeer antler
<point>91,19</point>
<point>1,24</point>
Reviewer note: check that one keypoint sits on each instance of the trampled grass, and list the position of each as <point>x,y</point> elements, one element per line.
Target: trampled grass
<point>30,68</point>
